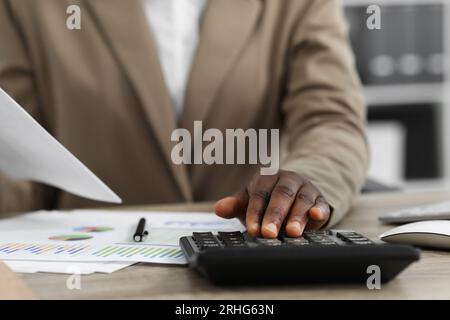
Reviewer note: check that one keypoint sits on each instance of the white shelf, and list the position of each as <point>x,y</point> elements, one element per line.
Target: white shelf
<point>359,3</point>
<point>418,93</point>
<point>429,185</point>
<point>404,94</point>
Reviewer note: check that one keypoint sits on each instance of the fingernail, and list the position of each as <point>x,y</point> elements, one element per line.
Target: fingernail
<point>272,228</point>
<point>255,227</point>
<point>295,226</point>
<point>320,214</point>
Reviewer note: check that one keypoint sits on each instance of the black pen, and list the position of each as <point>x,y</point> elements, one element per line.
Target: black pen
<point>140,231</point>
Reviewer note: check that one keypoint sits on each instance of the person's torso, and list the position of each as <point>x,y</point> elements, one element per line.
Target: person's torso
<point>103,95</point>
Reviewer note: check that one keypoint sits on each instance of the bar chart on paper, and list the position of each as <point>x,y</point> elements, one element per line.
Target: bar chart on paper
<point>149,253</point>
<point>77,236</point>
<point>114,252</point>
<point>39,249</point>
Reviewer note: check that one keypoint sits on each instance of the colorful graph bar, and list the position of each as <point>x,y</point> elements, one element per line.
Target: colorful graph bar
<point>82,252</point>
<point>138,252</point>
<point>39,249</point>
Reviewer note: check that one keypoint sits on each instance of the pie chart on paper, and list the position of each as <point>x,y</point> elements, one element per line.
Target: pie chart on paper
<point>92,229</point>
<point>71,237</point>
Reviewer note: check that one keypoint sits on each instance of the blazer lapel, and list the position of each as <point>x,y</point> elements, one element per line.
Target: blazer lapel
<point>125,28</point>
<point>226,27</point>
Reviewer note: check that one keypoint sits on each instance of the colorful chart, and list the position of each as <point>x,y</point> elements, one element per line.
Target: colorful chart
<point>140,251</point>
<point>86,252</point>
<point>92,229</point>
<point>39,249</point>
<point>71,237</point>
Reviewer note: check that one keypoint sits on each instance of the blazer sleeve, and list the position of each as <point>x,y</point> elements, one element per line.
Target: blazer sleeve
<point>323,108</point>
<point>16,78</point>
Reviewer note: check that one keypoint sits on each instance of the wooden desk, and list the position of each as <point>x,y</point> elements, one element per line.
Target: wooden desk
<point>428,279</point>
<point>11,287</point>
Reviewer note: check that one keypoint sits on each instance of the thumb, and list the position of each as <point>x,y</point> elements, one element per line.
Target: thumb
<point>232,207</point>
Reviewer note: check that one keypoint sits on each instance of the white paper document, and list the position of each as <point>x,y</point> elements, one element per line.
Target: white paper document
<point>84,268</point>
<point>103,236</point>
<point>29,152</point>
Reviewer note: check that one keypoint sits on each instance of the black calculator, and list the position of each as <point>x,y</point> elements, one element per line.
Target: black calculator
<point>332,256</point>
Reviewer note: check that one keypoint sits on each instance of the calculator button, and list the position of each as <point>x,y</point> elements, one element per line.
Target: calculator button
<point>235,243</point>
<point>324,242</point>
<point>209,243</point>
<point>205,240</point>
<point>345,235</point>
<point>317,233</point>
<point>315,238</point>
<point>202,235</point>
<point>320,239</point>
<point>352,237</point>
<point>232,239</point>
<point>361,242</point>
<point>295,241</point>
<point>230,234</point>
<point>268,242</point>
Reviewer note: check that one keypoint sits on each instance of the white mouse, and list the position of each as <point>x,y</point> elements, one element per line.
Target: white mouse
<point>431,234</point>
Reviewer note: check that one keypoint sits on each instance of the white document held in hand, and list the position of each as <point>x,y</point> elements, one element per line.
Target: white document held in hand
<point>29,152</point>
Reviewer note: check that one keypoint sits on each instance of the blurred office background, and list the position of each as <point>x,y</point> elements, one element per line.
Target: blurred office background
<point>402,67</point>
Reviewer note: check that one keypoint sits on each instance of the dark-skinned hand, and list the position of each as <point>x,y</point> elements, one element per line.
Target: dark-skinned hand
<point>269,203</point>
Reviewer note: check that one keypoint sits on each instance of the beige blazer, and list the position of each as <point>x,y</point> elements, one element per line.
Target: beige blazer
<point>260,64</point>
